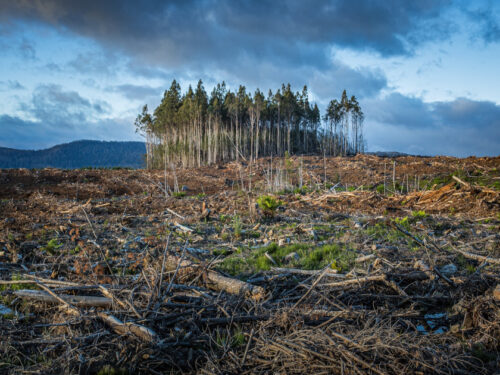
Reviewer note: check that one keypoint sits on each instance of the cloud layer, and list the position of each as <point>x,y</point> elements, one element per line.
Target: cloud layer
<point>460,127</point>
<point>261,44</point>
<point>54,116</point>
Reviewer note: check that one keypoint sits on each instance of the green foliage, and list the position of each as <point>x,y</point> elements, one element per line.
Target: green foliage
<point>403,222</point>
<point>419,214</point>
<point>16,277</point>
<point>268,205</point>
<point>179,194</point>
<point>301,190</point>
<point>310,257</point>
<point>52,246</point>
<point>76,250</point>
<point>237,227</point>
<point>380,189</point>
<point>238,338</point>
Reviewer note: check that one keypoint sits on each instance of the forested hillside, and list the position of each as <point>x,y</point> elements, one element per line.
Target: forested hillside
<point>77,154</point>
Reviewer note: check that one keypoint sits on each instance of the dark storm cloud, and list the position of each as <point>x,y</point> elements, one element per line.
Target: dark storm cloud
<point>200,32</point>
<point>460,127</point>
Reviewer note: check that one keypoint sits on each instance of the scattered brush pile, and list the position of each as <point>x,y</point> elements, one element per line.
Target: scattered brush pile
<point>182,315</point>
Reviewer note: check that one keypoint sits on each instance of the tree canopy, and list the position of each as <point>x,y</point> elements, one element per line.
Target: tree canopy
<point>194,128</point>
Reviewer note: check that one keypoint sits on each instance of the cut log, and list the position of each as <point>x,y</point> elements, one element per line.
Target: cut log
<point>215,280</point>
<point>79,301</point>
<point>144,333</point>
<point>364,258</point>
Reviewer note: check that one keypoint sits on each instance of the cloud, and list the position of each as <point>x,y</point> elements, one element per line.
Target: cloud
<point>11,85</point>
<point>460,127</point>
<point>136,92</point>
<point>27,49</point>
<point>33,134</point>
<point>487,19</point>
<point>51,104</point>
<point>97,63</point>
<point>54,115</point>
<point>175,33</point>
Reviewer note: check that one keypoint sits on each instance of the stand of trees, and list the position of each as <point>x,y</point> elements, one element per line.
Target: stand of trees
<point>194,129</point>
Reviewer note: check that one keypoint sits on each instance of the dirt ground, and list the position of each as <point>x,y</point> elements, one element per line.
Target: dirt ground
<point>363,265</point>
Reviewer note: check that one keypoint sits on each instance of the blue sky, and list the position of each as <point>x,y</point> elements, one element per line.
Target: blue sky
<point>426,72</point>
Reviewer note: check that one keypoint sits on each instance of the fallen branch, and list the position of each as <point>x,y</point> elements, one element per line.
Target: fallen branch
<point>79,301</point>
<point>144,333</point>
<point>480,258</point>
<point>364,258</point>
<point>329,273</point>
<point>360,280</point>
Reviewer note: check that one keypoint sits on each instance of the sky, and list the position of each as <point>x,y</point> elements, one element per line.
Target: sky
<point>426,73</point>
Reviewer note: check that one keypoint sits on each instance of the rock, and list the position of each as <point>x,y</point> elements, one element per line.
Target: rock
<point>292,257</point>
<point>496,293</point>
<point>449,269</point>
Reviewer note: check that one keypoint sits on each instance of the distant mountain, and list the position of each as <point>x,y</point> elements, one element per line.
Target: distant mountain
<point>78,154</point>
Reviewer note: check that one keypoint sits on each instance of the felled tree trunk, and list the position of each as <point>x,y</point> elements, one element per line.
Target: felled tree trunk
<point>215,280</point>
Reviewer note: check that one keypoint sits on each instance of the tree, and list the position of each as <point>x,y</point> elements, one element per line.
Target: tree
<point>194,129</point>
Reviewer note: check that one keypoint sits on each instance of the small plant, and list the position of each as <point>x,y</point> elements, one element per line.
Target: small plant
<point>74,251</point>
<point>201,195</point>
<point>268,205</point>
<point>419,214</point>
<point>403,222</point>
<point>238,338</point>
<point>301,190</point>
<point>52,246</point>
<point>179,194</point>
<point>237,228</point>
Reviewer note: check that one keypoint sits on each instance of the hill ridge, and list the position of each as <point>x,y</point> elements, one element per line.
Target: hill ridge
<point>77,154</point>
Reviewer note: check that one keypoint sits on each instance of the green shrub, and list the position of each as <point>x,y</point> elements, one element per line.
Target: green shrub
<point>268,205</point>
